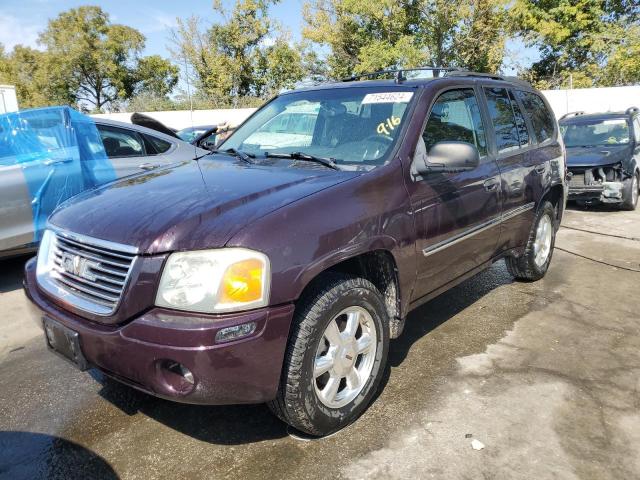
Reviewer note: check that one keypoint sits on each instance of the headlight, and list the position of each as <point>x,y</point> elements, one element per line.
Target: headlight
<point>215,281</point>
<point>45,253</point>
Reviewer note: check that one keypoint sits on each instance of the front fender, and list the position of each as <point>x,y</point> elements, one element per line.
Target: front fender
<point>367,213</point>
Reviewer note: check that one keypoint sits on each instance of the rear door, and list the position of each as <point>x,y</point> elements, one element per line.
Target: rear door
<point>456,214</point>
<point>512,147</point>
<point>132,152</point>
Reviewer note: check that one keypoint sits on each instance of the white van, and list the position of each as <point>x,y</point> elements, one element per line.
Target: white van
<point>8,99</point>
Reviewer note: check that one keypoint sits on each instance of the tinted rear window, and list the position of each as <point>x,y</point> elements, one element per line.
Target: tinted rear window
<point>541,118</point>
<point>160,146</point>
<point>504,122</point>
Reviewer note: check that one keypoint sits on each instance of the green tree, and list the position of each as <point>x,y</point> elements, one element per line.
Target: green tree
<point>366,36</point>
<point>244,55</point>
<point>577,39</point>
<point>28,70</point>
<point>99,63</point>
<point>155,76</point>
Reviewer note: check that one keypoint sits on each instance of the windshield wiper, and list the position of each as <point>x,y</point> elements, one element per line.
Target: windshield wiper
<point>245,157</point>
<point>327,162</point>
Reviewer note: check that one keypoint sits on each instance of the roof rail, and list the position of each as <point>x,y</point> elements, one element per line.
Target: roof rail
<point>398,74</point>
<point>631,110</point>
<point>571,114</point>
<point>466,73</point>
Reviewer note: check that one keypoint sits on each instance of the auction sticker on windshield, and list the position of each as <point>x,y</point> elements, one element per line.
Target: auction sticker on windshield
<point>387,97</point>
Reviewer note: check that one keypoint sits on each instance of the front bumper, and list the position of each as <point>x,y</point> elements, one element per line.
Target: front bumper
<point>606,192</point>
<point>137,353</point>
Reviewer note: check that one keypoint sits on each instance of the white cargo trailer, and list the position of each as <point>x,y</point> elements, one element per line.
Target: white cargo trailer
<point>8,99</point>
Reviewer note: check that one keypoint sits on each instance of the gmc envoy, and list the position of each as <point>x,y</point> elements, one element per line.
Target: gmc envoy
<point>277,268</point>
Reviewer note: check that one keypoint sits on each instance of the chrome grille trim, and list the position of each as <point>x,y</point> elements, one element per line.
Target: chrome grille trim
<point>89,274</point>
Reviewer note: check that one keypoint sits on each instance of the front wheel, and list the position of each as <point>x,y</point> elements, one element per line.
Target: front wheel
<point>630,192</point>
<point>336,355</point>
<point>534,263</point>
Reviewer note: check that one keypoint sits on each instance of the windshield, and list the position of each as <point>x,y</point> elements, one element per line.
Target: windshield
<point>356,127</point>
<point>596,133</point>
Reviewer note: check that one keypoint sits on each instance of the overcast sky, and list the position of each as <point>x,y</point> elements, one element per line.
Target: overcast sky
<point>21,20</point>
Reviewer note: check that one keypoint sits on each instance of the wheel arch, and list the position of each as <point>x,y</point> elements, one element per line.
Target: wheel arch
<point>379,266</point>
<point>556,195</point>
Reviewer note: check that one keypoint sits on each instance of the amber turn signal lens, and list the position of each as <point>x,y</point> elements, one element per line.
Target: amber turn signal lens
<point>242,282</point>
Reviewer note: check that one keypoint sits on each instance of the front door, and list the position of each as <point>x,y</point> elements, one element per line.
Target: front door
<point>457,215</point>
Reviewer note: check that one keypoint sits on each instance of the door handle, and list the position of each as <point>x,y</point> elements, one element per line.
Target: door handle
<point>491,184</point>
<point>147,166</point>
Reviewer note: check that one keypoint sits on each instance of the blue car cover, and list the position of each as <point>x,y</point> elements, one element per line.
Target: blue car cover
<point>60,153</point>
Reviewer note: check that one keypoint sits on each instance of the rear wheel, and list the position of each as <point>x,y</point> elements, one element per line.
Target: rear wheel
<point>630,192</point>
<point>534,262</point>
<point>336,355</point>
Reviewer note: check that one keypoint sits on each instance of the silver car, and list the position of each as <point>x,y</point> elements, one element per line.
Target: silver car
<point>49,155</point>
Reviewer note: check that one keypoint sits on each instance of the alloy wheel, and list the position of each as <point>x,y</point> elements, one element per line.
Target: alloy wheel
<point>542,243</point>
<point>345,357</point>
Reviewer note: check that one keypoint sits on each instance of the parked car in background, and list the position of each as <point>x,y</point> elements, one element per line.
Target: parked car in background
<point>205,136</point>
<point>51,154</point>
<point>189,134</point>
<point>281,275</point>
<point>603,156</point>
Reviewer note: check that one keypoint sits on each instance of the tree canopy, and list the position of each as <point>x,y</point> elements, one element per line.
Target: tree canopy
<point>589,41</point>
<point>88,61</point>
<point>240,55</point>
<point>366,36</point>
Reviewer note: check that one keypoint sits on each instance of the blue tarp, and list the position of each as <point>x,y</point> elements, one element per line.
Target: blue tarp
<point>60,153</point>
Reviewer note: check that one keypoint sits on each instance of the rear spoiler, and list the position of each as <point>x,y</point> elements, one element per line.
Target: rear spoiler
<point>153,124</point>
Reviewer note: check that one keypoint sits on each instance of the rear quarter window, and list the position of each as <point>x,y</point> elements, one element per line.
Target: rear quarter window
<point>159,146</point>
<point>542,119</point>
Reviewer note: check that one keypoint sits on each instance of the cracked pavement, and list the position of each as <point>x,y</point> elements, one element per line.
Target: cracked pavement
<point>546,375</point>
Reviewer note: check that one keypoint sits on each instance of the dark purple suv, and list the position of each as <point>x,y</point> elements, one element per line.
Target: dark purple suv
<point>277,268</point>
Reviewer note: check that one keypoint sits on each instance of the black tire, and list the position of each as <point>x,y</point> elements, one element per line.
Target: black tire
<point>297,402</point>
<point>525,267</point>
<point>629,200</point>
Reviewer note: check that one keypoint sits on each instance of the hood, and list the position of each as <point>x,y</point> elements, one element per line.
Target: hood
<point>191,206</point>
<point>597,156</point>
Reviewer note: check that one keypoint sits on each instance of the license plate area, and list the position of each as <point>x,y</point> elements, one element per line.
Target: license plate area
<point>64,342</point>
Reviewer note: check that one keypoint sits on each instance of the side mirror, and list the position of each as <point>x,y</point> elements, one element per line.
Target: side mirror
<point>448,157</point>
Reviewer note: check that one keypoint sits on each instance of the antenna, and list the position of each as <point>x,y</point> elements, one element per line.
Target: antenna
<point>186,74</point>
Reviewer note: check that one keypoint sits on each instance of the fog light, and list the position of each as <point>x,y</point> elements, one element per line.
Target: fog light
<point>234,333</point>
<point>175,377</point>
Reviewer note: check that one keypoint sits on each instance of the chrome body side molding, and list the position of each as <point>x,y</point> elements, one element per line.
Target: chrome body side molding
<point>493,222</point>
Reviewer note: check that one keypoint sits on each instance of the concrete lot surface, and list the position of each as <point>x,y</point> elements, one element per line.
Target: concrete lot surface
<point>545,375</point>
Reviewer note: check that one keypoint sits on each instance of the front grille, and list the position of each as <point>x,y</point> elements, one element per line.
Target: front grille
<point>577,180</point>
<point>92,270</point>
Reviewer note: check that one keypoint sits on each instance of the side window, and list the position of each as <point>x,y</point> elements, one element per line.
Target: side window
<point>504,122</point>
<point>120,142</point>
<point>541,119</point>
<point>523,133</point>
<point>636,129</point>
<point>455,116</point>
<point>157,145</point>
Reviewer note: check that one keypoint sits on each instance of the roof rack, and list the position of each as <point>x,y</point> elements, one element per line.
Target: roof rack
<point>398,74</point>
<point>571,114</point>
<point>466,73</point>
<point>631,110</point>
